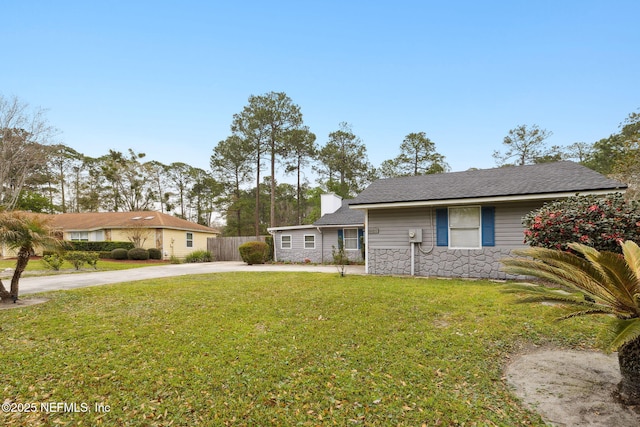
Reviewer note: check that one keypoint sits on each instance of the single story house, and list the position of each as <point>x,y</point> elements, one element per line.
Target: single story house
<point>315,242</point>
<point>462,224</point>
<point>172,235</point>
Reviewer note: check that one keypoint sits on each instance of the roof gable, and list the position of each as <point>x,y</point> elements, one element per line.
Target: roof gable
<point>343,216</point>
<point>545,178</point>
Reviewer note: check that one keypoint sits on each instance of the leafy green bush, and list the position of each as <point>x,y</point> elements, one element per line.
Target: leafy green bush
<point>599,222</point>
<point>199,256</point>
<point>79,258</point>
<point>155,253</point>
<point>92,259</point>
<point>53,261</point>
<point>175,260</point>
<point>99,246</point>
<point>119,254</point>
<point>138,254</point>
<point>254,252</point>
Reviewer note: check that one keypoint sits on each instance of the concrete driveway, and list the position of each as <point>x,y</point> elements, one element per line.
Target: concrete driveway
<point>30,285</point>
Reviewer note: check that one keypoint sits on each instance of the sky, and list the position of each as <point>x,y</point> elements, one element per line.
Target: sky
<point>165,78</point>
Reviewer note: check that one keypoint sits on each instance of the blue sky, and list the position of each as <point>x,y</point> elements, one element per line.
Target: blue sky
<point>166,77</point>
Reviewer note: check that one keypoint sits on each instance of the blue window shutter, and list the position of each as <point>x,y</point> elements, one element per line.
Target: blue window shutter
<point>340,239</point>
<point>360,236</point>
<point>442,227</point>
<point>488,226</point>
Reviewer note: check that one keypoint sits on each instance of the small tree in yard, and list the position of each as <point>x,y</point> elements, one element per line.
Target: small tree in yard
<point>340,258</point>
<point>599,222</point>
<point>607,283</point>
<point>23,232</point>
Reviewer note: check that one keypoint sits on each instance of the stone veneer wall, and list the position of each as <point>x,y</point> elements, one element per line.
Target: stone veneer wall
<point>441,262</point>
<point>298,255</point>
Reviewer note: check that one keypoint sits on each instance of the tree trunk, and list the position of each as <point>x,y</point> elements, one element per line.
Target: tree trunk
<point>5,295</point>
<point>257,219</point>
<point>629,360</point>
<point>272,209</point>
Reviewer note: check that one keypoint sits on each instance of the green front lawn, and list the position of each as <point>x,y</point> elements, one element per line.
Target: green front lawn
<point>37,267</point>
<point>257,349</point>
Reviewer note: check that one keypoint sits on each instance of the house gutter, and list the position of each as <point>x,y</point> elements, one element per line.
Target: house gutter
<point>479,200</point>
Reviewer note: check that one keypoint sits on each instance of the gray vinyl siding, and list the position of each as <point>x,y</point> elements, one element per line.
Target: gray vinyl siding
<point>391,226</point>
<point>298,253</point>
<point>508,225</point>
<point>325,242</point>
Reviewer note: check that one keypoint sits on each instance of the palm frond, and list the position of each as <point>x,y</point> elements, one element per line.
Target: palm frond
<point>543,294</point>
<point>606,284</point>
<point>593,311</point>
<point>564,274</point>
<point>631,253</point>
<point>625,331</point>
<point>617,275</point>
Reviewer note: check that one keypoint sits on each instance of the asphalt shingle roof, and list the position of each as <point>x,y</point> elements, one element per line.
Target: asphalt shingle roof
<point>545,178</point>
<point>343,216</point>
<point>101,220</point>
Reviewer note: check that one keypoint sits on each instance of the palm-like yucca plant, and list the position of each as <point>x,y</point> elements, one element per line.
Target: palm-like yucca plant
<point>607,283</point>
<point>23,232</point>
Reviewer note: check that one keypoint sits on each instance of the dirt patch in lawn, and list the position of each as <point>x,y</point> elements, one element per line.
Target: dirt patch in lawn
<point>571,388</point>
<point>22,303</point>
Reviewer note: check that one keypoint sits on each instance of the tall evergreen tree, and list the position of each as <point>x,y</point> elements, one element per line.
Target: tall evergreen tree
<point>417,156</point>
<point>265,122</point>
<point>344,165</point>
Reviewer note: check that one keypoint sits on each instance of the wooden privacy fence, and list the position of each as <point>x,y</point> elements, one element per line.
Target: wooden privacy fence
<point>226,248</point>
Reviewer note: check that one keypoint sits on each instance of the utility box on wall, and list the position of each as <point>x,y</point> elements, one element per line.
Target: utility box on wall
<point>415,235</point>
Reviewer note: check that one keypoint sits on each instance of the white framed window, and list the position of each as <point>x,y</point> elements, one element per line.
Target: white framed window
<point>189,240</point>
<point>309,241</point>
<point>464,227</point>
<point>285,241</point>
<point>79,236</point>
<point>350,239</point>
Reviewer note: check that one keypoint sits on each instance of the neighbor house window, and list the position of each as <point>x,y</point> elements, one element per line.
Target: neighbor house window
<point>464,227</point>
<point>350,238</point>
<point>285,241</point>
<point>309,241</point>
<point>189,240</point>
<point>79,236</point>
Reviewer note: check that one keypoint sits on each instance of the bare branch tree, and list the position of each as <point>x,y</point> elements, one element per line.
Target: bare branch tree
<point>24,133</point>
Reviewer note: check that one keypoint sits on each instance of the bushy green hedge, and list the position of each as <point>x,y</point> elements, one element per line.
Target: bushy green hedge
<point>254,252</point>
<point>119,254</point>
<point>199,256</point>
<point>155,253</point>
<point>80,258</point>
<point>53,261</point>
<point>599,222</point>
<point>99,246</point>
<point>138,254</point>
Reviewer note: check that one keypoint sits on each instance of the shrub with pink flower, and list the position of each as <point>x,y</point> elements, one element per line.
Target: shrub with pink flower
<point>601,222</point>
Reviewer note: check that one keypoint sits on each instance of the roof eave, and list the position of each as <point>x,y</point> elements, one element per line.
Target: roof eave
<point>353,224</point>
<point>483,200</point>
<point>291,227</point>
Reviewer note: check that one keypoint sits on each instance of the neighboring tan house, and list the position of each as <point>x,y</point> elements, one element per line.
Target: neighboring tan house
<point>316,242</point>
<point>172,235</point>
<point>461,224</point>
